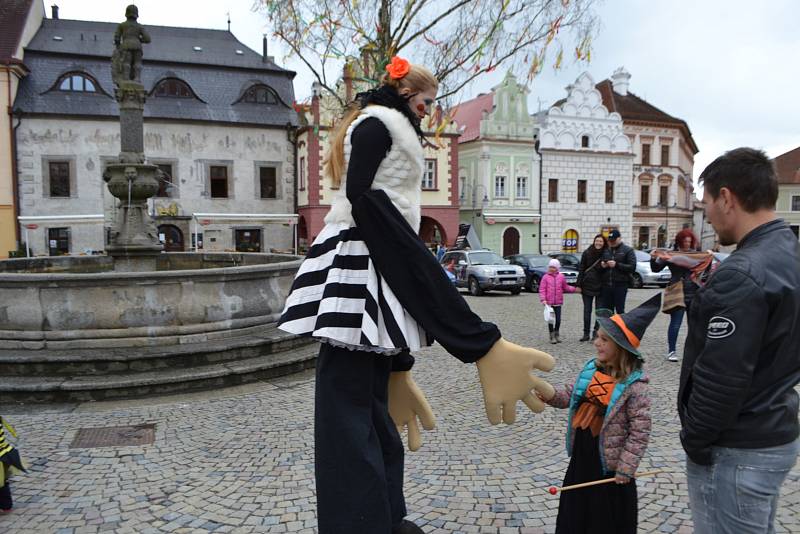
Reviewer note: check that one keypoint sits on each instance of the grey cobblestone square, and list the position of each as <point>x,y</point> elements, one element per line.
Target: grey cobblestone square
<point>241,459</point>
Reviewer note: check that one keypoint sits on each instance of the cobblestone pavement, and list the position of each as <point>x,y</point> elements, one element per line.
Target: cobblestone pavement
<point>241,459</point>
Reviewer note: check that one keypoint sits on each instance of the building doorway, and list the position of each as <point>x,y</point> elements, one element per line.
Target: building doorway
<point>644,238</point>
<point>569,241</point>
<point>510,241</point>
<point>247,240</point>
<point>172,238</point>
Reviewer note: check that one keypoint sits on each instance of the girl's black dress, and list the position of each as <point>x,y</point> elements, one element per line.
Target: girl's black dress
<point>603,508</point>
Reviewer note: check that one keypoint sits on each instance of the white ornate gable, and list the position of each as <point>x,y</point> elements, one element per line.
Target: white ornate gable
<point>583,114</point>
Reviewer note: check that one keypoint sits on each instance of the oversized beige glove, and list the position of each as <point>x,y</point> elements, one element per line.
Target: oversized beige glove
<point>406,403</point>
<point>506,377</point>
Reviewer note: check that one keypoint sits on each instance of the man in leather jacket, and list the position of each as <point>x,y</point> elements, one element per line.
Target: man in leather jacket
<point>737,402</point>
<point>619,264</point>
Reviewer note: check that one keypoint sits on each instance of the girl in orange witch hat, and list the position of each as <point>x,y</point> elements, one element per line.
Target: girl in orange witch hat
<point>609,426</point>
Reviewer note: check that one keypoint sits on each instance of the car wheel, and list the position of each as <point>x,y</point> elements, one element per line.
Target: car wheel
<point>637,281</point>
<point>474,287</point>
<point>533,285</point>
<point>516,291</point>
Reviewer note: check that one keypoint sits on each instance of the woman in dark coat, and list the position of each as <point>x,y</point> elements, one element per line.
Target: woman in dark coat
<point>685,241</point>
<point>589,280</point>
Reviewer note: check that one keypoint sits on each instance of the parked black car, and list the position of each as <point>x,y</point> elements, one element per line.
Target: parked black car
<point>535,266</point>
<point>567,259</point>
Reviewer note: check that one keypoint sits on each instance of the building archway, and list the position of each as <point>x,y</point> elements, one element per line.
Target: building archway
<point>569,241</point>
<point>432,231</point>
<point>510,241</point>
<point>172,237</point>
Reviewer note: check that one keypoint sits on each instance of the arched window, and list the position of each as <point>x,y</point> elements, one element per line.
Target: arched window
<point>77,82</point>
<point>259,94</point>
<point>173,87</point>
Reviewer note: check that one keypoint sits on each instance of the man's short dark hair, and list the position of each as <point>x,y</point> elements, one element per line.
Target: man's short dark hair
<point>749,175</point>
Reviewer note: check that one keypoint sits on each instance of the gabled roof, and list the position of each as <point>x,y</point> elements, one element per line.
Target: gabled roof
<point>787,167</point>
<point>171,44</point>
<point>469,114</point>
<point>217,75</point>
<point>13,14</point>
<point>633,108</point>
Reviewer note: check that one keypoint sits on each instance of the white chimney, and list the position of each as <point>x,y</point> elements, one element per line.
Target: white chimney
<point>621,80</point>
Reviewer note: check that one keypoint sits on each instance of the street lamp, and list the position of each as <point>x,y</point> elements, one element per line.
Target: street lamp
<point>670,202</point>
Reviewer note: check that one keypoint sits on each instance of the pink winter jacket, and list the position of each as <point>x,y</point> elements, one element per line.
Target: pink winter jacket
<point>552,288</point>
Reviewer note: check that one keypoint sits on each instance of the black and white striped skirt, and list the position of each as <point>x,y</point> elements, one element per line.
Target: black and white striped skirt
<point>340,298</point>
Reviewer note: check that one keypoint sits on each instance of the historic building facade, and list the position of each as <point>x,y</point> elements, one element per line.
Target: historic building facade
<point>499,169</point>
<point>19,20</point>
<point>587,164</point>
<point>315,192</point>
<point>218,122</point>
<point>662,194</point>
<point>787,167</point>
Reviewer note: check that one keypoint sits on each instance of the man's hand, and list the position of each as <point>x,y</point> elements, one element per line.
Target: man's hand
<point>611,264</point>
<point>406,403</point>
<point>506,377</point>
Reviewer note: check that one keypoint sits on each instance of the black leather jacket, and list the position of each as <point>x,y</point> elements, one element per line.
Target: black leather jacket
<point>742,357</point>
<point>621,273</point>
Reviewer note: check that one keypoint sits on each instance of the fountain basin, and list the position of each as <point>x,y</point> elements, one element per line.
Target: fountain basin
<point>81,302</point>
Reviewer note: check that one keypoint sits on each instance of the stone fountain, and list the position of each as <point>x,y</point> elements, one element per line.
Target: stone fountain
<point>140,321</point>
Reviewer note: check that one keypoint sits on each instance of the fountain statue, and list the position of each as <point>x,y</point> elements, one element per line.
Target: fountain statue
<point>133,243</point>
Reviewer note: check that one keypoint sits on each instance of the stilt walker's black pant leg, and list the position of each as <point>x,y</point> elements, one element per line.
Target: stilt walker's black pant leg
<point>358,453</point>
<point>6,503</point>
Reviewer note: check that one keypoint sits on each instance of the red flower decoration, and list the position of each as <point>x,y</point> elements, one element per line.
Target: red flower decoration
<point>398,68</point>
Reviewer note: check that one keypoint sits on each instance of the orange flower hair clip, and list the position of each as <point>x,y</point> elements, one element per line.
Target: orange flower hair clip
<point>398,68</point>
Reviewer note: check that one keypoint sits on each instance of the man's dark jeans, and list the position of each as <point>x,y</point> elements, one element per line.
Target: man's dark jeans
<point>613,298</point>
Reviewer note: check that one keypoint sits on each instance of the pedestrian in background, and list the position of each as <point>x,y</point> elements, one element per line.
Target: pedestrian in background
<point>685,241</point>
<point>609,428</point>
<point>737,399</point>
<point>590,280</point>
<point>9,462</point>
<point>551,292</point>
<point>619,264</point>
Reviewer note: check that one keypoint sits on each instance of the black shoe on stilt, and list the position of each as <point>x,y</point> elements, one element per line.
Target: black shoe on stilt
<point>407,527</point>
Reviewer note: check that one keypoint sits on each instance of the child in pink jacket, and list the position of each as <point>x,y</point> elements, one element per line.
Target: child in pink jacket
<point>551,292</point>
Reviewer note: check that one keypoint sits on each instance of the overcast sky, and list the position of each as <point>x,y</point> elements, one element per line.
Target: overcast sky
<point>729,68</point>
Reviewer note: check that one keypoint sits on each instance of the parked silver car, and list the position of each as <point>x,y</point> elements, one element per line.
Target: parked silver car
<point>483,270</point>
<point>644,275</point>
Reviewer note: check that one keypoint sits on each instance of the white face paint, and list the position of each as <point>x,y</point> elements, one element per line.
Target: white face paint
<point>720,327</point>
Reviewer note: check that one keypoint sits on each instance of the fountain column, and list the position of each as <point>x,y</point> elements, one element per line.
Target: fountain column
<point>131,180</point>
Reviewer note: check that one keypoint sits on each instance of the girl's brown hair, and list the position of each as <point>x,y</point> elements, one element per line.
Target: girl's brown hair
<point>625,364</point>
<point>418,79</point>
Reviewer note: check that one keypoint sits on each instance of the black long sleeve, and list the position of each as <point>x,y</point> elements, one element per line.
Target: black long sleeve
<point>370,142</point>
<point>414,275</point>
<point>418,281</point>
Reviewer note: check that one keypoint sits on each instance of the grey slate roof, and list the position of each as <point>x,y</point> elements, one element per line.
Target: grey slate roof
<point>12,21</point>
<point>217,74</point>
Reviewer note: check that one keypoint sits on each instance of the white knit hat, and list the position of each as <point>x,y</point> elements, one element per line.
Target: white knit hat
<point>554,263</point>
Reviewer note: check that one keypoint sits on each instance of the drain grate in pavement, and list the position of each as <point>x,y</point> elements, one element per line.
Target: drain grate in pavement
<point>114,436</point>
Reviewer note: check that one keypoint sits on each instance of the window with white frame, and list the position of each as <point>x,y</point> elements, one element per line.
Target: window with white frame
<point>500,187</point>
<point>522,187</point>
<point>429,176</point>
<point>795,202</point>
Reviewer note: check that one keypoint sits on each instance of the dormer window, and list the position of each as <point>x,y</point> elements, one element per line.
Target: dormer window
<point>77,82</point>
<point>259,94</point>
<point>173,87</point>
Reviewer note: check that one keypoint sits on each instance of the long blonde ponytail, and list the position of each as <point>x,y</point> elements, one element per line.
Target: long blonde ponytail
<point>418,79</point>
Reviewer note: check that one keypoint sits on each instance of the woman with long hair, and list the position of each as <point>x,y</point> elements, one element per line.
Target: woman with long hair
<point>371,292</point>
<point>590,280</point>
<point>685,241</point>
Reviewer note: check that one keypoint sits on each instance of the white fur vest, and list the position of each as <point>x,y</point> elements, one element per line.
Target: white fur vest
<point>399,174</point>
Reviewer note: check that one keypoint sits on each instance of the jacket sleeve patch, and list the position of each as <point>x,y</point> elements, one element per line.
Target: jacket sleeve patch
<point>720,327</point>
